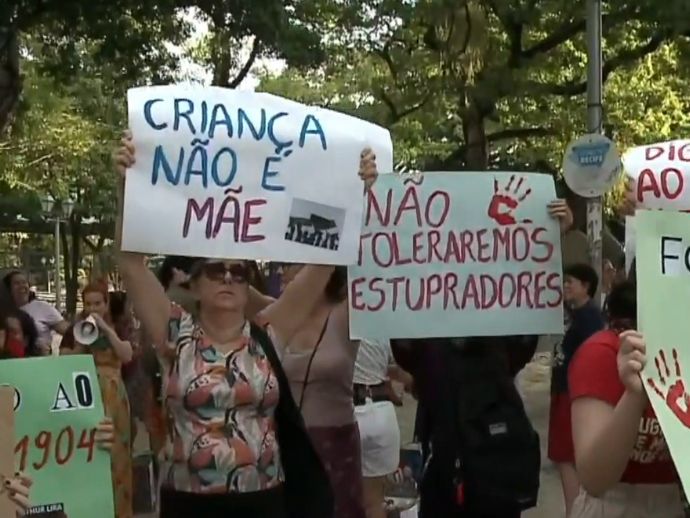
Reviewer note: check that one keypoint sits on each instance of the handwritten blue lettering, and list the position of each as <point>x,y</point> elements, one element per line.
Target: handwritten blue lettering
<point>269,173</point>
<point>316,130</point>
<point>180,114</point>
<point>279,144</point>
<point>220,117</point>
<point>200,169</point>
<point>149,117</point>
<point>233,167</point>
<point>243,118</point>
<point>204,117</point>
<point>161,161</point>
<point>205,121</point>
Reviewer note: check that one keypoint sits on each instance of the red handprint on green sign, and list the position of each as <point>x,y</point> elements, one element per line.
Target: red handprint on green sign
<point>506,199</point>
<point>671,388</point>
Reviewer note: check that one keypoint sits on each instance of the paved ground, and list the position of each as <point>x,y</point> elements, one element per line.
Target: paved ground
<point>534,386</point>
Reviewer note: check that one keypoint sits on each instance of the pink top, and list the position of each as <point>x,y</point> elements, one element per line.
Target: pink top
<point>328,393</point>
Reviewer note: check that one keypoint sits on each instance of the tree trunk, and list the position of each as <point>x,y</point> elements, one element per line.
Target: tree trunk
<point>71,252</point>
<point>474,131</point>
<point>10,80</point>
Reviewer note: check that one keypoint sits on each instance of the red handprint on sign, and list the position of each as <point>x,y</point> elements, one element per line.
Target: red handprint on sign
<point>677,398</point>
<point>506,200</point>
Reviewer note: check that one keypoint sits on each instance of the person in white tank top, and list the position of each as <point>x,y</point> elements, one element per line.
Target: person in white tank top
<point>376,418</point>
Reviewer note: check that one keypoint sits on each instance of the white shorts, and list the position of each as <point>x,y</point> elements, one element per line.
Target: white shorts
<point>380,438</point>
<point>631,501</point>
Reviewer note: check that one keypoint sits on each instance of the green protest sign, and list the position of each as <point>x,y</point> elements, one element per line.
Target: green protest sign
<point>663,287</point>
<point>58,405</point>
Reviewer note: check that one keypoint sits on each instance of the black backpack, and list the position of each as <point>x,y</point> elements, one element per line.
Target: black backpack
<point>493,447</point>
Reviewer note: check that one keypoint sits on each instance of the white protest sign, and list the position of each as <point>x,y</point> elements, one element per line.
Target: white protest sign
<point>458,254</point>
<point>237,174</point>
<point>661,175</point>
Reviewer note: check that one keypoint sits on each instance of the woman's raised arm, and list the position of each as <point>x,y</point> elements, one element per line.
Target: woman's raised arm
<point>294,305</point>
<point>150,302</point>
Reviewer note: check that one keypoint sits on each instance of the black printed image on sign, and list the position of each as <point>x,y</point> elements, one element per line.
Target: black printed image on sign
<point>315,224</point>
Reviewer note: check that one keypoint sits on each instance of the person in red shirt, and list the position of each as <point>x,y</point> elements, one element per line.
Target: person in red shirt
<point>585,316</point>
<point>622,459</point>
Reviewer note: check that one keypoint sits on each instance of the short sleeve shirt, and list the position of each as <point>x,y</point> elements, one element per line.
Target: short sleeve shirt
<point>593,373</point>
<point>373,359</point>
<point>221,411</point>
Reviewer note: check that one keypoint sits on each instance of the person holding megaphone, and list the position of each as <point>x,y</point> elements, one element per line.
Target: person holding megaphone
<point>94,334</point>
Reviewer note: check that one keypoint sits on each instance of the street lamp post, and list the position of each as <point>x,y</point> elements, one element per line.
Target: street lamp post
<point>56,212</point>
<point>595,218</point>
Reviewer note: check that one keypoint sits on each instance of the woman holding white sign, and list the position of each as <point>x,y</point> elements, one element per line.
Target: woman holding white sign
<point>237,444</point>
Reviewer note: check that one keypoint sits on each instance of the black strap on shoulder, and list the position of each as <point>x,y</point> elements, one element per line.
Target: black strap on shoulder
<point>305,382</point>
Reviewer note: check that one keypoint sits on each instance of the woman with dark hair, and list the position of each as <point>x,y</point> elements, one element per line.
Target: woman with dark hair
<point>46,318</point>
<point>237,444</point>
<point>21,328</point>
<point>622,459</point>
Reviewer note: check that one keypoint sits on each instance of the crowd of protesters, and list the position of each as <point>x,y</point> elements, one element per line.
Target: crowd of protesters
<point>261,406</point>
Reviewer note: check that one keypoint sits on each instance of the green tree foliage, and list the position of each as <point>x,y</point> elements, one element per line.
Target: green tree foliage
<point>130,36</point>
<point>476,83</point>
<point>60,145</point>
<point>134,37</point>
<point>481,84</point>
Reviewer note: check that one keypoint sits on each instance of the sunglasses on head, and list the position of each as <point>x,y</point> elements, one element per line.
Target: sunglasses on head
<point>218,271</point>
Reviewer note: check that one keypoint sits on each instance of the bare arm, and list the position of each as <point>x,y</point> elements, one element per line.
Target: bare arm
<point>147,295</point>
<point>122,348</point>
<point>61,327</point>
<point>604,437</point>
<point>300,296</point>
<point>297,301</point>
<point>397,373</point>
<point>257,303</point>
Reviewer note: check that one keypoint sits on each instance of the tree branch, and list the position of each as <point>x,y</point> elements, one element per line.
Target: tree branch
<point>506,134</point>
<point>385,55</point>
<point>397,115</point>
<point>242,74</point>
<point>624,57</point>
<point>566,31</point>
<point>520,133</point>
<point>513,29</point>
<point>571,28</point>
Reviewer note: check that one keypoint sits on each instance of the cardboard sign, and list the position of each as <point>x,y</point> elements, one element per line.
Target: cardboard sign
<point>458,254</point>
<point>663,282</point>
<point>661,175</point>
<point>57,404</point>
<point>238,174</point>
<point>7,507</point>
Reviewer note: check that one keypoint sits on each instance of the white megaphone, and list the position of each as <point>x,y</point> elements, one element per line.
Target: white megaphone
<point>86,331</point>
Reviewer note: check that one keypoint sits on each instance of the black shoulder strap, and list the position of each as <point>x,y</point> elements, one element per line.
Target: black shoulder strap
<point>305,382</point>
<point>261,336</point>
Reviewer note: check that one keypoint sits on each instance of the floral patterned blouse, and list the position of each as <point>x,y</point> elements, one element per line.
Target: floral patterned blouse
<point>221,431</point>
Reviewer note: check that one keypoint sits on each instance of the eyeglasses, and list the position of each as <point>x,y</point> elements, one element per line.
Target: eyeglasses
<point>218,271</point>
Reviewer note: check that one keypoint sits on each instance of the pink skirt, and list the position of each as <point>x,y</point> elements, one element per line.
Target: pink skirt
<point>339,450</point>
